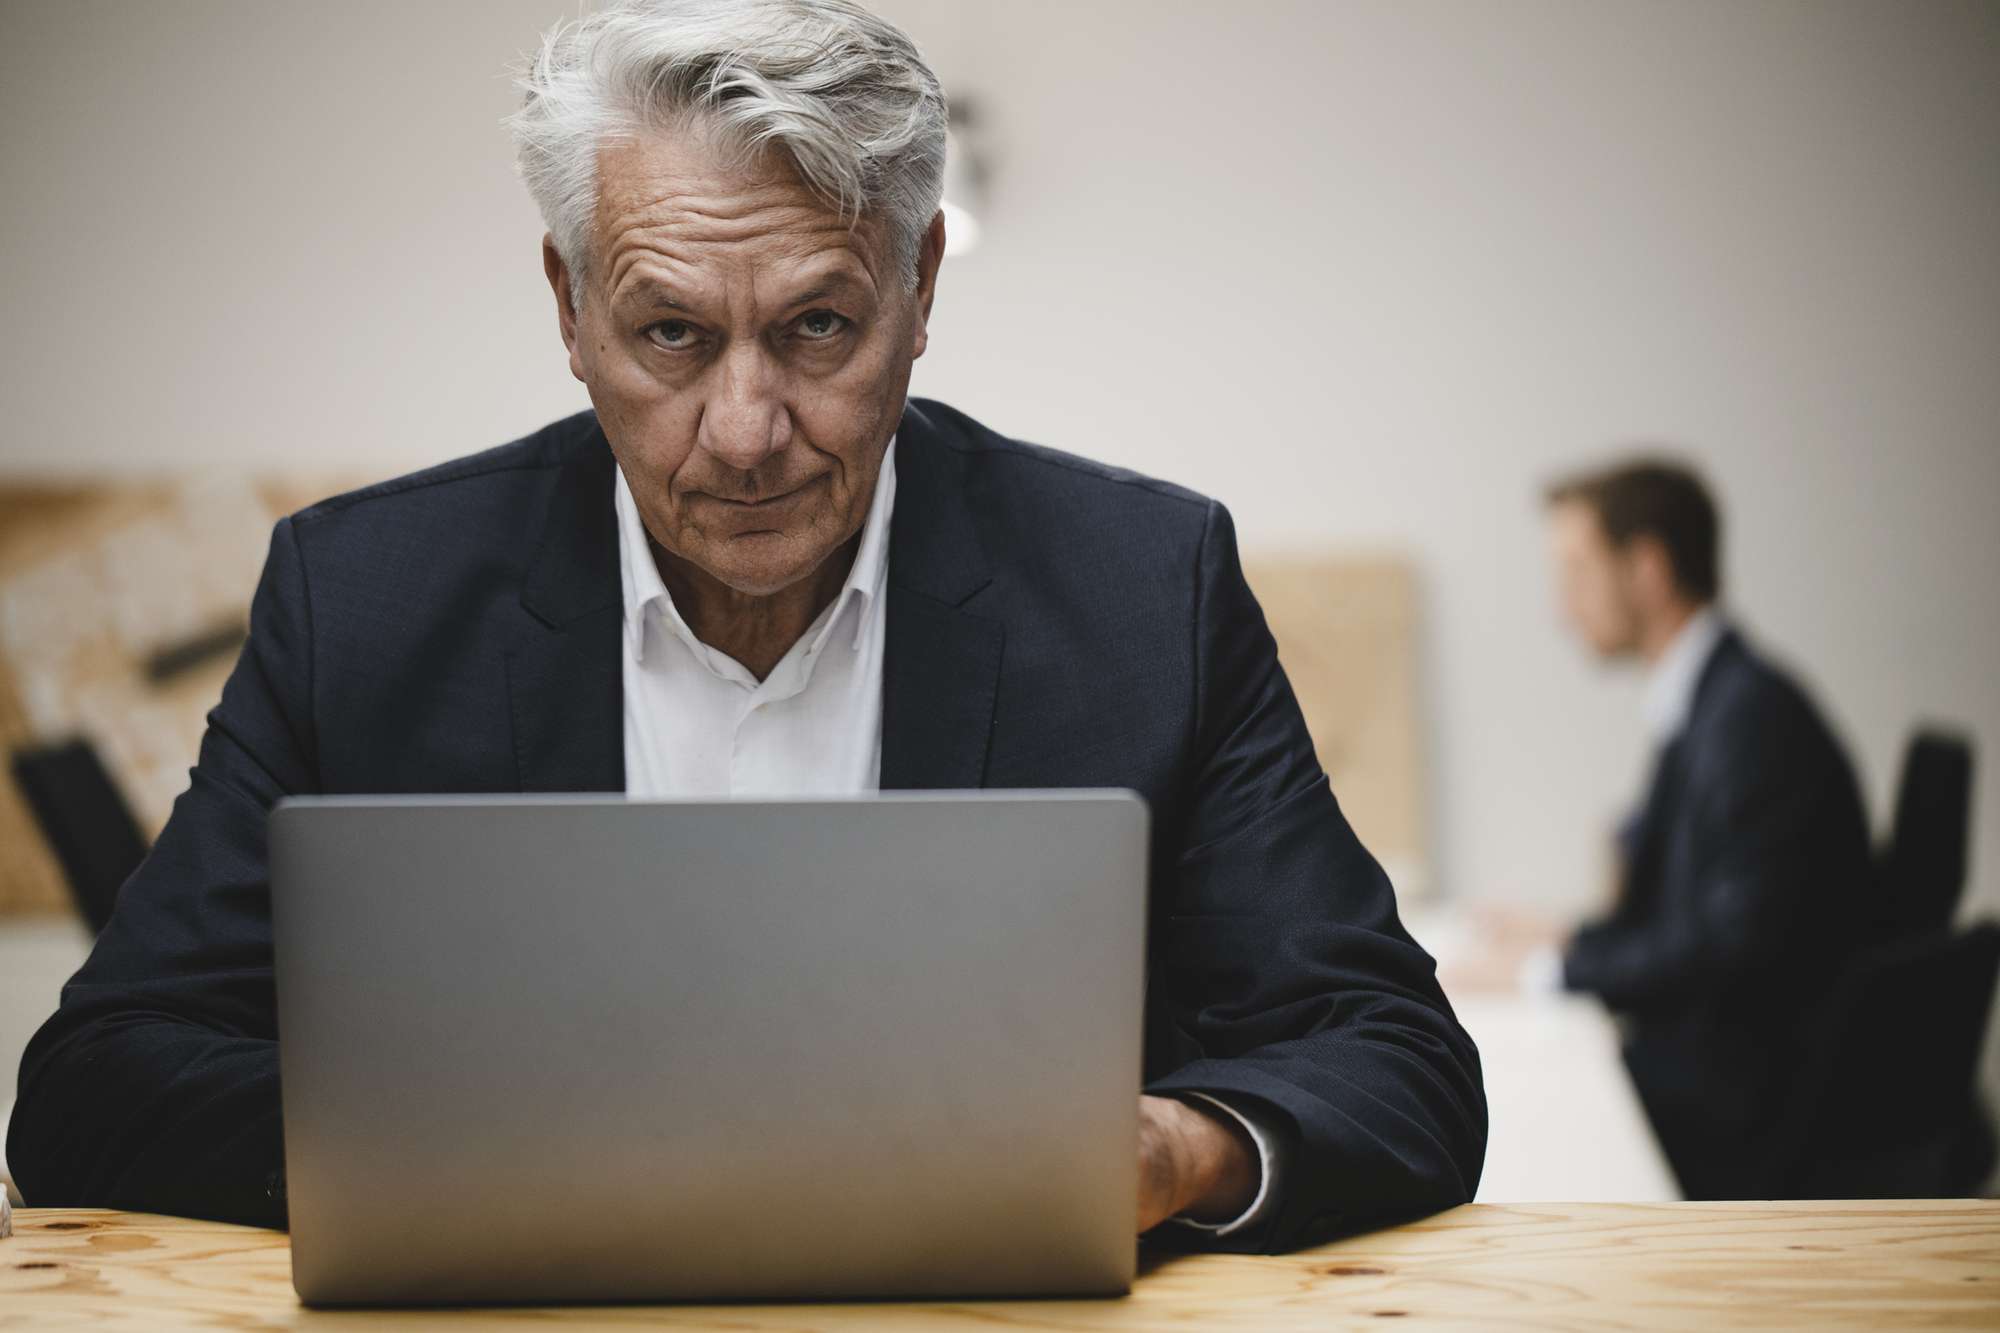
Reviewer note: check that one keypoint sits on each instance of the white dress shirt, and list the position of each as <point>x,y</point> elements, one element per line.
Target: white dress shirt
<point>1671,685</point>
<point>698,723</point>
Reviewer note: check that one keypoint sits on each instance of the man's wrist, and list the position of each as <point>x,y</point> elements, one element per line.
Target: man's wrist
<point>1220,1169</point>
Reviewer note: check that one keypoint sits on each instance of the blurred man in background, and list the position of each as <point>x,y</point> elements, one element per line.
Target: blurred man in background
<point>1743,871</point>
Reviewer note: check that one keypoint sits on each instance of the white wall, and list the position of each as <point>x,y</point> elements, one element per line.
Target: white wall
<point>1367,271</point>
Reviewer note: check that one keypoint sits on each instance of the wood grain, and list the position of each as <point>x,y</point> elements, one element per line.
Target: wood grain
<point>1550,1266</point>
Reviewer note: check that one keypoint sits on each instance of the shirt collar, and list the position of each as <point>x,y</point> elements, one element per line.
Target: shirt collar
<point>1671,687</point>
<point>643,588</point>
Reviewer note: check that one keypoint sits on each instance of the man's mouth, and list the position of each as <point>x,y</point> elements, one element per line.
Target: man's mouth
<point>757,504</point>
<point>767,502</point>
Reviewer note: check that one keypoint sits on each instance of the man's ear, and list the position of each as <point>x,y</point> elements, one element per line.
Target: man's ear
<point>1652,570</point>
<point>930,254</point>
<point>559,282</point>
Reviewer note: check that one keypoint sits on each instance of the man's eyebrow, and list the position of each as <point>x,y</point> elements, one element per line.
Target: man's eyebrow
<point>834,284</point>
<point>650,296</point>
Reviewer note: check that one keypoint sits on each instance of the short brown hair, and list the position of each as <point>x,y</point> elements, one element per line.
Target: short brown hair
<point>1661,499</point>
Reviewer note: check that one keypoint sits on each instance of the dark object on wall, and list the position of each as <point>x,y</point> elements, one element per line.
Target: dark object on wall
<point>1923,865</point>
<point>184,655</point>
<point>85,819</point>
<point>1889,1107</point>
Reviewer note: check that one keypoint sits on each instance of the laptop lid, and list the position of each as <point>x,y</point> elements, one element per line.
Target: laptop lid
<point>549,1048</point>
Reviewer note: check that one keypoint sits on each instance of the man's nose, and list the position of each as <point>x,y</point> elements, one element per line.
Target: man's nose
<point>745,420</point>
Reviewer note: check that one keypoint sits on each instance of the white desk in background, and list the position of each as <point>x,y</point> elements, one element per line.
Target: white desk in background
<point>1566,1124</point>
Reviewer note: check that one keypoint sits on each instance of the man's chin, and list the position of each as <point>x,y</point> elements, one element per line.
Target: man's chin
<point>758,564</point>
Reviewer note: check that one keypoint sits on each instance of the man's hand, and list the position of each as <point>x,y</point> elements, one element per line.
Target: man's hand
<point>1501,940</point>
<point>1192,1162</point>
<point>1522,928</point>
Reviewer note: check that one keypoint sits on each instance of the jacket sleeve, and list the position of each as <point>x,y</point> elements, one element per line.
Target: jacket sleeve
<point>1286,967</point>
<point>154,1087</point>
<point>1755,815</point>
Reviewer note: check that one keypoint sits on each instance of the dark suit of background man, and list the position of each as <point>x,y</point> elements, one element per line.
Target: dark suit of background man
<point>756,500</point>
<point>1745,868</point>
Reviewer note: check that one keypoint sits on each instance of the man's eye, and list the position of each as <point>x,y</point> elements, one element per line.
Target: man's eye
<point>821,324</point>
<point>672,334</point>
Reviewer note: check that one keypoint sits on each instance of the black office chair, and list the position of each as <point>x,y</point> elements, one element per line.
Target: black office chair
<point>85,820</point>
<point>1889,1107</point>
<point>1922,870</point>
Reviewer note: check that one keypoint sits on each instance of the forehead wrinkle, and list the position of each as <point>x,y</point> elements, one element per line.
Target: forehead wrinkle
<point>643,266</point>
<point>665,208</point>
<point>681,234</point>
<point>674,263</point>
<point>720,220</point>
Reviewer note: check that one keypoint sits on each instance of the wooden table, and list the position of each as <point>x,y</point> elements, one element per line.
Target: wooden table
<point>1530,1266</point>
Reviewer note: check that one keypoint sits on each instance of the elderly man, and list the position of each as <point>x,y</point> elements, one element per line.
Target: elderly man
<point>759,567</point>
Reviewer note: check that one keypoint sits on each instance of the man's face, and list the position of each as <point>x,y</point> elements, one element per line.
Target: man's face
<point>1594,581</point>
<point>748,355</point>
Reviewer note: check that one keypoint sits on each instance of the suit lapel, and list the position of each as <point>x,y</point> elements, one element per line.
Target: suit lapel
<point>1647,836</point>
<point>941,659</point>
<point>564,681</point>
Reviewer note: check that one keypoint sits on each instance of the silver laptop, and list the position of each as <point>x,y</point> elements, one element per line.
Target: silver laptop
<point>543,1049</point>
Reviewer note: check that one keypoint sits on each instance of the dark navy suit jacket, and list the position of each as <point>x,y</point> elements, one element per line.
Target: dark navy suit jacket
<point>1050,623</point>
<point>1746,889</point>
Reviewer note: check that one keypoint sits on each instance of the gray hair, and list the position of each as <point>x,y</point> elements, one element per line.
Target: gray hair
<point>842,94</point>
